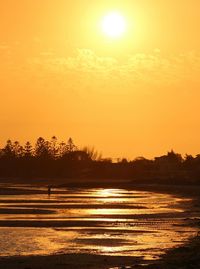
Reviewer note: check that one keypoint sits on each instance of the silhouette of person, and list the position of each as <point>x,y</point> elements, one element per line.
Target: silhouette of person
<point>49,190</point>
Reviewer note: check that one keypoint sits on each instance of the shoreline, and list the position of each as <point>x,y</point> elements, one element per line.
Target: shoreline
<point>192,190</point>
<point>70,261</point>
<point>186,256</point>
<point>176,258</point>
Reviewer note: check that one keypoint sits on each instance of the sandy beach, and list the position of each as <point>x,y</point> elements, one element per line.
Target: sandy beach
<point>179,257</point>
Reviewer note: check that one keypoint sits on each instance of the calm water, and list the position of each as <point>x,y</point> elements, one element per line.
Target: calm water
<point>100,221</point>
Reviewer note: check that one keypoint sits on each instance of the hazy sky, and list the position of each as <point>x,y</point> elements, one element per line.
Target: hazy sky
<point>137,95</point>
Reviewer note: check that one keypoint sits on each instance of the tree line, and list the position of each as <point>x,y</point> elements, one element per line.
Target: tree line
<point>64,159</point>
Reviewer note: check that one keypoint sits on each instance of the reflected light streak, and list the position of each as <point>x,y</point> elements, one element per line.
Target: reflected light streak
<point>114,231</point>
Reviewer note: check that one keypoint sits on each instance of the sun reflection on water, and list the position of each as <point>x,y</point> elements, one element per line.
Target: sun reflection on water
<point>100,221</point>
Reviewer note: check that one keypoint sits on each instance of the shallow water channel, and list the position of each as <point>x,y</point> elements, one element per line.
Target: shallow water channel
<point>98,221</point>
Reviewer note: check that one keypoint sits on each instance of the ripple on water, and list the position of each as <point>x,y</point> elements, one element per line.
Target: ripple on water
<point>100,221</point>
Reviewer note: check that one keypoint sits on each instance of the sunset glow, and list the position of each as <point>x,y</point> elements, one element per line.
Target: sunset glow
<point>100,128</point>
<point>122,76</point>
<point>114,25</point>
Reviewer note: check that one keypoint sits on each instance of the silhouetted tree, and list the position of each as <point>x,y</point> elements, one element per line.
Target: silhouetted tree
<point>51,158</point>
<point>8,150</point>
<point>92,153</point>
<point>70,145</point>
<point>42,149</point>
<point>62,149</point>
<point>53,147</point>
<point>28,150</point>
<point>17,149</point>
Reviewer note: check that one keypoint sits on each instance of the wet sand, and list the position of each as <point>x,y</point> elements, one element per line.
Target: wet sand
<point>68,261</point>
<point>186,256</point>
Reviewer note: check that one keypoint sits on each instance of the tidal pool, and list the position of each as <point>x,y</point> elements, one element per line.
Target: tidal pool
<point>97,221</point>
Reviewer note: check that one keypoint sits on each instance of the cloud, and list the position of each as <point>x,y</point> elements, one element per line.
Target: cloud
<point>85,69</point>
<point>149,68</point>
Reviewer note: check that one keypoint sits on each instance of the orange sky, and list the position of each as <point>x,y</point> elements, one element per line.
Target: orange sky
<point>139,95</point>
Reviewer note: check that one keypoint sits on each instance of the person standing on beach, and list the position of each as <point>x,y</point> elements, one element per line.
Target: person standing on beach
<point>49,190</point>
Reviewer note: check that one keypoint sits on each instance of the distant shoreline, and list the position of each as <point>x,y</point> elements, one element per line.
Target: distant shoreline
<point>189,190</point>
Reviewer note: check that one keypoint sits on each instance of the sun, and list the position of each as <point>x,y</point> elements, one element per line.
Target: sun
<point>114,25</point>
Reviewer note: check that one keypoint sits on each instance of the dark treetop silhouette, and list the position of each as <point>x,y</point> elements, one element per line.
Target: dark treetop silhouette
<point>60,159</point>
